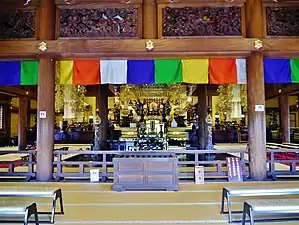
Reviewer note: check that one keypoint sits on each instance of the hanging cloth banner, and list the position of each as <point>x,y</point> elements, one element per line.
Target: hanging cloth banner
<point>10,73</point>
<point>241,71</point>
<point>29,73</point>
<point>64,71</point>
<point>294,70</point>
<point>113,71</point>
<point>168,71</point>
<point>277,71</point>
<point>86,72</point>
<point>223,71</point>
<point>195,71</point>
<point>141,72</point>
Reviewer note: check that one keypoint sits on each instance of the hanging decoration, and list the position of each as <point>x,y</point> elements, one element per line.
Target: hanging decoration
<point>76,95</point>
<point>78,100</point>
<point>59,98</point>
<point>224,103</point>
<point>243,95</point>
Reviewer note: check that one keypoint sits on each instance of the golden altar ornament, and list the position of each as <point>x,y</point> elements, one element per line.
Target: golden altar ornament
<point>42,46</point>
<point>149,45</point>
<point>258,44</point>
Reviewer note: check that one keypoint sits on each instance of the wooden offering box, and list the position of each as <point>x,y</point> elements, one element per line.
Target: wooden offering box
<point>145,172</point>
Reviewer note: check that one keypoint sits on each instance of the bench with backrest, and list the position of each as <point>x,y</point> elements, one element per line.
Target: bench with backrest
<point>54,194</point>
<point>24,210</point>
<point>229,192</point>
<point>273,207</point>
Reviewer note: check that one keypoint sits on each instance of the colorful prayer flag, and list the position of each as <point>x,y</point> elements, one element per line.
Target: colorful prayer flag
<point>141,72</point>
<point>64,71</point>
<point>10,73</point>
<point>241,71</point>
<point>277,71</point>
<point>113,71</point>
<point>195,71</point>
<point>223,71</point>
<point>29,73</point>
<point>294,70</point>
<point>168,71</point>
<point>86,72</point>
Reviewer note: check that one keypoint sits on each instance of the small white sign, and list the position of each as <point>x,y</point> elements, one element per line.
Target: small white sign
<point>199,175</point>
<point>259,108</point>
<point>94,175</point>
<point>42,114</point>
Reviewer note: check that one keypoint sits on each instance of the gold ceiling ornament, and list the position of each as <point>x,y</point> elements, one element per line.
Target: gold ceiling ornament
<point>43,46</point>
<point>258,44</point>
<point>149,45</point>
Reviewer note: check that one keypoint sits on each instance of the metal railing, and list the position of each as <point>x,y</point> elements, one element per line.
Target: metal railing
<point>281,163</point>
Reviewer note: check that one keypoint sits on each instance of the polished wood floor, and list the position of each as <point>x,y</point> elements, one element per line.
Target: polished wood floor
<point>97,204</point>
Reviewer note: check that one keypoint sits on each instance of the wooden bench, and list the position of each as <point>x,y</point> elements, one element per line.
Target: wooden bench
<point>36,193</point>
<point>27,211</point>
<point>277,206</point>
<point>229,192</point>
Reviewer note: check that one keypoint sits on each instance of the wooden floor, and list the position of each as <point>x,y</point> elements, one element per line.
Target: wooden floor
<point>97,204</point>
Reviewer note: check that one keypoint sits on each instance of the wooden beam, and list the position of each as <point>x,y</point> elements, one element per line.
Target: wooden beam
<point>275,90</point>
<point>280,47</point>
<point>17,91</point>
<point>129,48</point>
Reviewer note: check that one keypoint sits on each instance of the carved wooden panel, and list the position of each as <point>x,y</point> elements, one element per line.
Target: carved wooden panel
<point>282,21</point>
<point>17,24</point>
<point>98,23</point>
<point>202,21</point>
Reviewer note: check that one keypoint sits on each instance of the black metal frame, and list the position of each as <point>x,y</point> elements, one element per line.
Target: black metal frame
<point>227,195</point>
<point>247,209</point>
<point>57,194</point>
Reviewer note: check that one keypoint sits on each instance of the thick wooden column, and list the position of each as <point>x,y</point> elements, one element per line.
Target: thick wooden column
<point>23,122</point>
<point>46,95</point>
<point>103,114</point>
<point>150,26</point>
<point>256,95</point>
<point>285,118</point>
<point>202,114</point>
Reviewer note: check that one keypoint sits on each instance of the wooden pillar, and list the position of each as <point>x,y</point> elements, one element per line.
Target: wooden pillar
<point>202,114</point>
<point>23,122</point>
<point>256,95</point>
<point>285,118</point>
<point>103,114</point>
<point>149,19</point>
<point>46,95</point>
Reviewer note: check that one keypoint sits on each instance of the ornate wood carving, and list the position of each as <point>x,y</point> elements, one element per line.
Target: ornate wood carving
<point>202,21</point>
<point>17,24</point>
<point>282,21</point>
<point>99,23</point>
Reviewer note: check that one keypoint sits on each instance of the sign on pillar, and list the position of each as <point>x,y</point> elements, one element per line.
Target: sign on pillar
<point>259,108</point>
<point>42,114</point>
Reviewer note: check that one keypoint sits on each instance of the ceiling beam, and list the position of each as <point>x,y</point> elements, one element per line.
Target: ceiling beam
<point>129,48</point>
<point>17,91</point>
